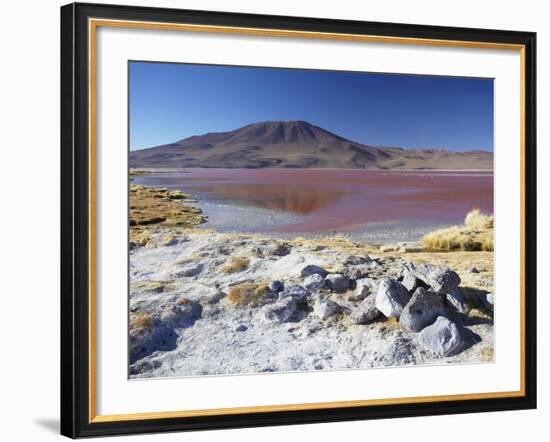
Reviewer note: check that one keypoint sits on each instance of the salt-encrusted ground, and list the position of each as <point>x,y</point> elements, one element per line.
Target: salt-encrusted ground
<point>206,303</point>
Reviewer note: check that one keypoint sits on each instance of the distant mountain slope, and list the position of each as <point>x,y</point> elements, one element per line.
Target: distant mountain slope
<point>298,144</point>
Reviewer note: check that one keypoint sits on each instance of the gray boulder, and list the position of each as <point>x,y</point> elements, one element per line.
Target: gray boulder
<point>280,311</point>
<point>314,282</point>
<point>365,312</point>
<point>338,283</point>
<point>442,338</point>
<point>422,310</point>
<point>294,291</point>
<point>364,287</point>
<point>313,269</point>
<point>324,308</point>
<point>456,300</point>
<point>391,297</point>
<point>441,279</point>
<point>410,282</point>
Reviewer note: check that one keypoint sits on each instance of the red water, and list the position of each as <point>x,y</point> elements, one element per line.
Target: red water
<point>332,199</point>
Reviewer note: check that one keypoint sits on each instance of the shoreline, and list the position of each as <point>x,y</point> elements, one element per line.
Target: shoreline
<point>195,220</point>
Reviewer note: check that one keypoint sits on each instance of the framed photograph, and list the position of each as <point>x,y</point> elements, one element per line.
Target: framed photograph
<point>274,220</point>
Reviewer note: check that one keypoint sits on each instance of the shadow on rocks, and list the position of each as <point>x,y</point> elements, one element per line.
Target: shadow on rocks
<point>476,320</point>
<point>469,339</point>
<point>465,320</point>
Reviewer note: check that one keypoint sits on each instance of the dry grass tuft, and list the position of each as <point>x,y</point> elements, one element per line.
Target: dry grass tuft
<point>153,286</point>
<point>158,207</point>
<point>475,220</point>
<point>235,264</point>
<point>476,235</point>
<point>140,320</point>
<point>247,294</point>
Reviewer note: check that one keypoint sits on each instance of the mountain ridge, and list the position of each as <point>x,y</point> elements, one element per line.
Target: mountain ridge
<point>298,144</point>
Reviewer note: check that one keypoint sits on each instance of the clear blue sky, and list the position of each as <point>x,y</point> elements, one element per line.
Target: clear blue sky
<point>171,101</point>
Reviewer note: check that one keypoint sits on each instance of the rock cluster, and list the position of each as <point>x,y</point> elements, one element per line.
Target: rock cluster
<point>423,299</point>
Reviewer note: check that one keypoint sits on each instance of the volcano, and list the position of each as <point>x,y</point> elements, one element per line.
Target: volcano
<point>298,144</point>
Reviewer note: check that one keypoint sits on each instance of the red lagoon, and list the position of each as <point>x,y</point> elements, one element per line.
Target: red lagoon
<point>339,199</point>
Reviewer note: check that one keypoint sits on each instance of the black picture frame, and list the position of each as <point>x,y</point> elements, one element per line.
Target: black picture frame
<point>75,221</point>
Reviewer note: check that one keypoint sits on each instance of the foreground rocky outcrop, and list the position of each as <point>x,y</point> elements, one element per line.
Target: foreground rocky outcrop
<point>211,303</point>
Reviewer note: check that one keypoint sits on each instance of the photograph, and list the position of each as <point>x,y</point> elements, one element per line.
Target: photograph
<point>290,220</point>
<point>279,218</point>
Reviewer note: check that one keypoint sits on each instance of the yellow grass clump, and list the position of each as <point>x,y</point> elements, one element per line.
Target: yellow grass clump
<point>476,235</point>
<point>475,220</point>
<point>153,286</point>
<point>235,264</point>
<point>247,293</point>
<point>140,320</point>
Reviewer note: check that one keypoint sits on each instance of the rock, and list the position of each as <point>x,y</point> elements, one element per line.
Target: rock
<point>443,337</point>
<point>313,269</point>
<point>357,271</point>
<point>422,310</point>
<point>440,279</point>
<point>391,297</point>
<point>410,281</point>
<point>473,270</point>
<point>280,311</point>
<point>488,301</point>
<point>357,267</point>
<point>357,260</point>
<point>364,287</point>
<point>326,308</point>
<point>277,249</point>
<point>457,301</point>
<point>314,282</point>
<point>365,312</point>
<point>276,286</point>
<point>295,291</point>
<point>338,282</point>
<point>241,328</point>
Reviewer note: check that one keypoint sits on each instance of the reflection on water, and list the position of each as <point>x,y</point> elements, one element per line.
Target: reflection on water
<point>284,197</point>
<point>323,200</point>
